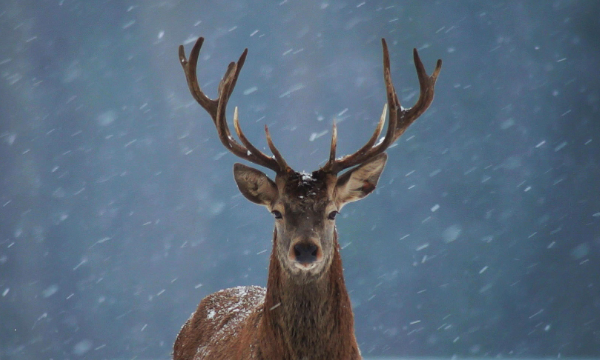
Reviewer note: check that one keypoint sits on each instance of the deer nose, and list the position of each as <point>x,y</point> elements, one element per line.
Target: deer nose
<point>306,253</point>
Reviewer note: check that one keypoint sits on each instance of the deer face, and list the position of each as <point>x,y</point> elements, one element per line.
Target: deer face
<point>304,207</point>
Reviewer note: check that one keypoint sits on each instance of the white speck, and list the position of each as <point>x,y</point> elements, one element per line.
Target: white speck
<point>422,247</point>
<point>537,313</point>
<point>415,322</point>
<point>106,118</point>
<point>435,208</point>
<point>435,172</point>
<point>485,288</point>
<point>5,292</point>
<point>31,39</point>
<point>483,269</point>
<point>261,252</point>
<point>83,261</point>
<point>560,146</point>
<point>131,142</point>
<point>315,136</point>
<point>451,233</point>
<point>596,214</point>
<point>540,143</point>
<point>361,4</point>
<point>405,236</point>
<point>551,245</point>
<point>232,29</point>
<point>10,139</point>
<point>190,40</point>
<point>14,78</point>
<point>49,291</point>
<point>198,286</point>
<point>507,123</point>
<point>250,90</point>
<point>547,327</point>
<point>82,347</point>
<point>160,292</point>
<point>292,89</point>
<point>217,207</point>
<point>587,142</point>
<point>561,60</point>
<point>580,251</point>
<point>254,33</point>
<point>527,189</point>
<point>103,240</point>
<point>275,306</point>
<point>144,327</point>
<point>409,173</point>
<point>128,24</point>
<point>161,34</point>
<point>211,314</point>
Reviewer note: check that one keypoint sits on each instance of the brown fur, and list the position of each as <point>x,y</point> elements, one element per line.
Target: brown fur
<point>288,321</point>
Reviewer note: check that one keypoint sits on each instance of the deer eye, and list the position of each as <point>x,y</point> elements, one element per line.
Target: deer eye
<point>332,215</point>
<point>277,214</point>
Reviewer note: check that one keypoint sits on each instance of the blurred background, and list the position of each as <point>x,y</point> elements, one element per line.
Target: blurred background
<point>119,213</point>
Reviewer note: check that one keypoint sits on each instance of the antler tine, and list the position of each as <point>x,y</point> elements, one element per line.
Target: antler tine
<point>400,118</point>
<point>368,150</point>
<point>217,107</point>
<point>283,166</point>
<point>264,159</point>
<point>328,167</point>
<point>189,68</point>
<point>427,89</point>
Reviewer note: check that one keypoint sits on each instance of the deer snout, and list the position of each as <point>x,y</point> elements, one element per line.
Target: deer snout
<point>305,252</point>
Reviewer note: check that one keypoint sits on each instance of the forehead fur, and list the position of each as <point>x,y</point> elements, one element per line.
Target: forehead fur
<point>310,188</point>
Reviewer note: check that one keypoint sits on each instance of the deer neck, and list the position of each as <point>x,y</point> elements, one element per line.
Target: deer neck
<point>300,320</point>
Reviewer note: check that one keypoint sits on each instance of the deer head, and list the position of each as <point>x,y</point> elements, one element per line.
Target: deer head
<point>305,205</point>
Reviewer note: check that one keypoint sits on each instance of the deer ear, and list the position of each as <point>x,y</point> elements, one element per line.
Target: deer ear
<point>360,181</point>
<point>255,185</point>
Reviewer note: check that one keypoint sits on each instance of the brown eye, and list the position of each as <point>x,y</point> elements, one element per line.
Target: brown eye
<point>277,214</point>
<point>332,215</point>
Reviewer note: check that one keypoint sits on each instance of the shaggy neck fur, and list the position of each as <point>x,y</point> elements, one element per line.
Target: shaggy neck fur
<point>307,321</point>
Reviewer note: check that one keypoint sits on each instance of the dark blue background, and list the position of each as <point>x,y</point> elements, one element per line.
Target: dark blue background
<point>118,210</point>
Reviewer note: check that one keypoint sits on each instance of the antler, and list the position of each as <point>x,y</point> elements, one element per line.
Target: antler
<point>400,119</point>
<point>216,109</point>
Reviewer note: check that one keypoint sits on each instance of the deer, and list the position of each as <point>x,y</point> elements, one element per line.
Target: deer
<point>305,311</point>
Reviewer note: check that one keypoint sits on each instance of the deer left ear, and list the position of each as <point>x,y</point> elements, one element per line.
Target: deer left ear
<point>360,181</point>
<point>255,185</point>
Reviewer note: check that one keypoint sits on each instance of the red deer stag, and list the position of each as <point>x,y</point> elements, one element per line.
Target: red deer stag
<point>305,311</point>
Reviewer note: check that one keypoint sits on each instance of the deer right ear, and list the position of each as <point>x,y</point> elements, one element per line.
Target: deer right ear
<point>255,185</point>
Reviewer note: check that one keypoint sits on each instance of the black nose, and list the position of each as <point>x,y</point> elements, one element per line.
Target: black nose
<point>306,253</point>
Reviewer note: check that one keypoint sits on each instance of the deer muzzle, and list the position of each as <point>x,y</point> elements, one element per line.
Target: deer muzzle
<point>305,253</point>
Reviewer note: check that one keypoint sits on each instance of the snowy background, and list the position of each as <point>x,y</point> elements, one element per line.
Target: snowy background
<point>118,209</point>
